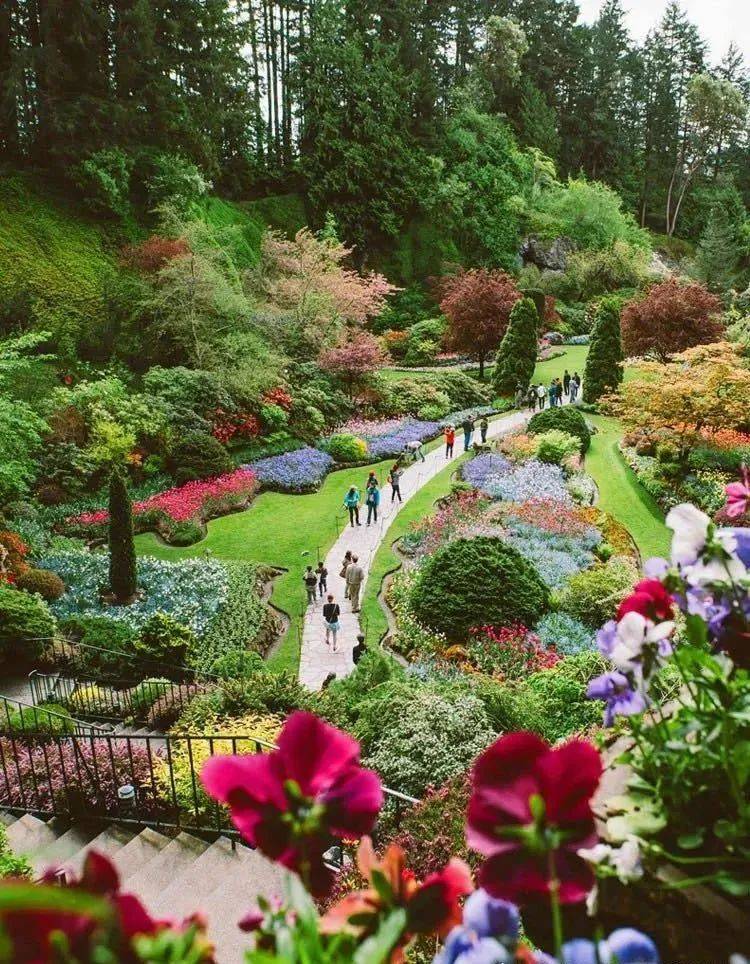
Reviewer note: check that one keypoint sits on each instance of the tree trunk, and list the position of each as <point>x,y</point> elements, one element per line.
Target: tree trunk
<point>481,368</point>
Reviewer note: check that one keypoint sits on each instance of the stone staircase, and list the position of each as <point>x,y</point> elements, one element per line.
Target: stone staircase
<point>173,876</point>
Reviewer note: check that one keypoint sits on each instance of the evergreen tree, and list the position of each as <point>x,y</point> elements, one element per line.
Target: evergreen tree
<point>716,256</point>
<point>122,570</point>
<point>604,363</point>
<point>516,356</point>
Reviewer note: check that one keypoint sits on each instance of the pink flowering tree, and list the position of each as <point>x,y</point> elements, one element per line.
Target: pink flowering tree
<point>354,359</point>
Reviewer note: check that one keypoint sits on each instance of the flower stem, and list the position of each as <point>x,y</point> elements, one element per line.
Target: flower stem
<point>554,901</point>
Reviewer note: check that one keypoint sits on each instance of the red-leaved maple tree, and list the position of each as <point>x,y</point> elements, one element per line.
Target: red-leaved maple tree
<point>152,254</point>
<point>477,304</point>
<point>671,317</point>
<point>355,357</point>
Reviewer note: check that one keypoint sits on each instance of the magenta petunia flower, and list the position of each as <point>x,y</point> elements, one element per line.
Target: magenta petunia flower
<point>738,496</point>
<point>650,599</point>
<point>292,802</point>
<point>530,813</point>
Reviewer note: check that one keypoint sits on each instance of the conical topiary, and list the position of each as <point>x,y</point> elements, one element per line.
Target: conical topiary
<point>604,362</point>
<point>122,570</point>
<point>516,357</point>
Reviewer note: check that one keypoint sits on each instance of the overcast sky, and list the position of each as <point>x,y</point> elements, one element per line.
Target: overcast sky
<point>719,21</point>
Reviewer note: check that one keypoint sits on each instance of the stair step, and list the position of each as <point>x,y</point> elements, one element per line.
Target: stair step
<point>228,903</point>
<point>29,834</point>
<point>139,852</point>
<point>176,859</point>
<point>7,818</point>
<point>210,869</point>
<point>110,842</point>
<point>57,853</point>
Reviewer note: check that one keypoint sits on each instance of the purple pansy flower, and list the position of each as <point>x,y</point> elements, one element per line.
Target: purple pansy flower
<point>618,695</point>
<point>488,922</point>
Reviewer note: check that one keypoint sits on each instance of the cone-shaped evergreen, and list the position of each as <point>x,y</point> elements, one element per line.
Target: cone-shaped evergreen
<point>122,575</point>
<point>516,356</point>
<point>604,363</point>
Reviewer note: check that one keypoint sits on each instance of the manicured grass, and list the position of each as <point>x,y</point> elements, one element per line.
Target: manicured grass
<point>374,621</point>
<point>574,360</point>
<point>620,493</point>
<point>286,531</point>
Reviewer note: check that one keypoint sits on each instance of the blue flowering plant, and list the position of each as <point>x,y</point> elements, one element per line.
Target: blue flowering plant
<point>302,470</point>
<point>689,759</point>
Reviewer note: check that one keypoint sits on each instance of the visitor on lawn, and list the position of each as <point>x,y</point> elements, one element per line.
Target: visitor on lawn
<point>414,449</point>
<point>344,566</point>
<point>531,397</point>
<point>541,395</point>
<point>450,439</point>
<point>373,501</point>
<point>483,426</point>
<point>566,382</point>
<point>311,584</point>
<point>394,477</point>
<point>552,393</point>
<point>351,502</point>
<point>468,426</point>
<point>354,579</point>
<point>558,391</point>
<point>331,614</point>
<point>322,573</point>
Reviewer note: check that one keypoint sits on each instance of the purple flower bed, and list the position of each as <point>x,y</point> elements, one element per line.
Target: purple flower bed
<point>297,471</point>
<point>411,430</point>
<point>500,479</point>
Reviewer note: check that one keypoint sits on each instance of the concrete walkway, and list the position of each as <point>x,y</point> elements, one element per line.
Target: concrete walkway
<point>317,659</point>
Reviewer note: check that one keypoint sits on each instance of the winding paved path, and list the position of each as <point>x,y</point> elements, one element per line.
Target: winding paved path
<point>317,659</point>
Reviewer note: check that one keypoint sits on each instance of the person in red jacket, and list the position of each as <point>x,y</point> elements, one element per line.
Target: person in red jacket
<point>450,438</point>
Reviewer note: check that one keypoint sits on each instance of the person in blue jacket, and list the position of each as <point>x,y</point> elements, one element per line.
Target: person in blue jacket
<point>373,501</point>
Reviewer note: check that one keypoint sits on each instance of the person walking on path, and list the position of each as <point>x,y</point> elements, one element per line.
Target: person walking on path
<point>541,395</point>
<point>552,391</point>
<point>344,566</point>
<point>468,426</point>
<point>311,585</point>
<point>394,477</point>
<point>483,426</point>
<point>322,573</point>
<point>372,479</point>
<point>450,440</point>
<point>566,382</point>
<point>351,502</point>
<point>573,390</point>
<point>331,614</point>
<point>558,391</point>
<point>577,382</point>
<point>531,398</point>
<point>354,579</point>
<point>373,501</point>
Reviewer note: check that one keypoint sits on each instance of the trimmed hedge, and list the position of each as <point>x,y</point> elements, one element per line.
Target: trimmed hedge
<point>477,582</point>
<point>565,418</point>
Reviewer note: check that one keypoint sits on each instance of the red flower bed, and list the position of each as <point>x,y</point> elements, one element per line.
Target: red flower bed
<point>278,396</point>
<point>550,515</point>
<point>227,425</point>
<point>509,652</point>
<point>194,501</point>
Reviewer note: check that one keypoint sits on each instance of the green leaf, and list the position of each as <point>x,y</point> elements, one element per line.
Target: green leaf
<point>377,949</point>
<point>689,841</point>
<point>300,901</point>
<point>384,890</point>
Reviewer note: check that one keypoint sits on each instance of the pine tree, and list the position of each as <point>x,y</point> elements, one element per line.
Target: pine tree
<point>716,255</point>
<point>604,363</point>
<point>516,356</point>
<point>122,572</point>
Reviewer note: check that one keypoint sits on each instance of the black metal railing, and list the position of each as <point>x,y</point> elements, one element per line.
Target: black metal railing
<point>62,652</point>
<point>126,779</point>
<point>27,721</point>
<point>92,699</point>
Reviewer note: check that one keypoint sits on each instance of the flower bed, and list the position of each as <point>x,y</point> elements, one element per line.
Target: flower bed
<point>509,652</point>
<point>168,512</point>
<point>192,591</point>
<point>495,475</point>
<point>392,443</point>
<point>300,471</point>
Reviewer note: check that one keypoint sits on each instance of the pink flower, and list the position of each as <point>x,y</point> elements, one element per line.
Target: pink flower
<point>290,803</point>
<point>650,599</point>
<point>531,806</point>
<point>738,496</point>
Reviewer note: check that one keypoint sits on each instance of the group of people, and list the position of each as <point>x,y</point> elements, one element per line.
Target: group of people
<point>468,426</point>
<point>316,583</point>
<point>558,389</point>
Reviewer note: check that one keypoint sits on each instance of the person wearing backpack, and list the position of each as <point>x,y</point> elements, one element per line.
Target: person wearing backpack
<point>372,501</point>
<point>310,580</point>
<point>541,395</point>
<point>331,614</point>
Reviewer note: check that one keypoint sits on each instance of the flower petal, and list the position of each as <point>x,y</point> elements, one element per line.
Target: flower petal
<point>315,753</point>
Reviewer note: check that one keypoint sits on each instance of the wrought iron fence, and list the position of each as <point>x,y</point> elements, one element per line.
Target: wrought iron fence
<point>126,779</point>
<point>27,721</point>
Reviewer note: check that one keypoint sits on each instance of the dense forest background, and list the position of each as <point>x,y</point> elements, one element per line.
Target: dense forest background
<point>372,110</point>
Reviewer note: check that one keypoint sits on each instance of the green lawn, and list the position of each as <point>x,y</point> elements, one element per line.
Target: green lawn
<point>574,360</point>
<point>620,493</point>
<point>386,560</point>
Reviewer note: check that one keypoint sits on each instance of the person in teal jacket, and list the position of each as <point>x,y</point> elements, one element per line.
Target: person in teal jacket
<point>373,501</point>
<point>351,502</point>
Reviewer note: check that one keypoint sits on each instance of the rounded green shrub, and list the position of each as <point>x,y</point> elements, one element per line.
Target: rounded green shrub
<point>197,456</point>
<point>163,639</point>
<point>106,650</point>
<point>183,533</point>
<point>143,696</point>
<point>593,595</point>
<point>555,446</point>
<point>25,621</point>
<point>565,418</point>
<point>347,448</point>
<point>48,720</point>
<point>47,584</point>
<point>476,582</point>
